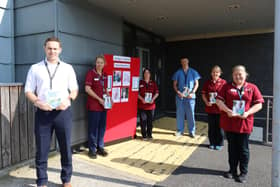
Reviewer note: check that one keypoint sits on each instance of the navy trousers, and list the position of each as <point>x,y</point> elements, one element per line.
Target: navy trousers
<point>146,122</point>
<point>96,129</point>
<point>215,133</point>
<point>238,152</point>
<point>45,123</point>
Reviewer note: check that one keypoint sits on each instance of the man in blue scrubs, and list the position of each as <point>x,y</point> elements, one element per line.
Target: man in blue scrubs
<point>185,84</point>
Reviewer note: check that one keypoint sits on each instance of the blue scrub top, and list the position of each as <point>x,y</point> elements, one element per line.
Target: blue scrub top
<point>186,79</point>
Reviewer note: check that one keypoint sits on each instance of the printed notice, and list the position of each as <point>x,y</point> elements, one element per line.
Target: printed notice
<point>135,83</point>
<point>121,65</point>
<point>126,78</point>
<point>116,94</point>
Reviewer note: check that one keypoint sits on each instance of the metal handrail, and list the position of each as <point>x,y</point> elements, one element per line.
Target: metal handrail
<point>268,107</point>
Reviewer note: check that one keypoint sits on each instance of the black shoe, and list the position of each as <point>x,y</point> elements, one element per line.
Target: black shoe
<point>92,154</point>
<point>241,178</point>
<point>101,152</point>
<point>192,135</point>
<point>229,175</point>
<point>150,137</point>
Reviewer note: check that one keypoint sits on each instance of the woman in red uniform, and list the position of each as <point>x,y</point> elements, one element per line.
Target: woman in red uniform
<point>239,101</point>
<point>95,87</point>
<point>209,93</point>
<point>148,92</point>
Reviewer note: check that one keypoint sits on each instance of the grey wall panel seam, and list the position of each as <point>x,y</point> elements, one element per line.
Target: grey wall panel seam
<point>13,58</point>
<point>91,38</point>
<point>9,37</point>
<point>8,64</point>
<point>34,4</point>
<point>55,18</point>
<point>32,34</point>
<point>3,8</point>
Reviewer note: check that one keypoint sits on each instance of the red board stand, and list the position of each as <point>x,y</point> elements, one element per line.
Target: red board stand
<point>123,85</point>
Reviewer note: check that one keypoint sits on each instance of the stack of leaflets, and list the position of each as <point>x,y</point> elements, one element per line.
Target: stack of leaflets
<point>186,91</point>
<point>107,102</point>
<point>148,97</point>
<point>53,99</point>
<point>212,97</point>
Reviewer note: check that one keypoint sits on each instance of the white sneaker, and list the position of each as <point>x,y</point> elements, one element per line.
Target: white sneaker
<point>178,134</point>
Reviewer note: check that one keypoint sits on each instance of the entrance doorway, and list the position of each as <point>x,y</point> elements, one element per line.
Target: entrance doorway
<point>144,55</point>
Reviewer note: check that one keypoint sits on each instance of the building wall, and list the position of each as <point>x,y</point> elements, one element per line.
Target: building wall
<point>84,31</point>
<point>6,41</point>
<point>253,51</point>
<point>34,22</point>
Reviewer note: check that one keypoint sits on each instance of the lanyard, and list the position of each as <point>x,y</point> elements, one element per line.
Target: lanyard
<point>213,85</point>
<point>240,92</point>
<point>102,82</point>
<point>51,76</point>
<point>186,77</point>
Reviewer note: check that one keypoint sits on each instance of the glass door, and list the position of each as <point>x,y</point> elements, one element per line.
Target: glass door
<point>144,55</point>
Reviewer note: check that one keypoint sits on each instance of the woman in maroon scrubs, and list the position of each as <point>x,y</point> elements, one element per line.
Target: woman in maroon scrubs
<point>209,93</point>
<point>239,101</point>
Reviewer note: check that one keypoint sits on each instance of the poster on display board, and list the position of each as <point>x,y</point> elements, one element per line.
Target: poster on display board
<point>124,94</point>
<point>126,78</point>
<point>122,117</point>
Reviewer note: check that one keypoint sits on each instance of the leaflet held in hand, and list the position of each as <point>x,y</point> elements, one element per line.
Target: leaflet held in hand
<point>212,97</point>
<point>53,98</point>
<point>148,97</point>
<point>107,102</point>
<point>238,107</point>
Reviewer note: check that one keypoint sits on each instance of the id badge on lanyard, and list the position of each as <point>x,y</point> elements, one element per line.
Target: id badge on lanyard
<point>101,78</point>
<point>53,97</point>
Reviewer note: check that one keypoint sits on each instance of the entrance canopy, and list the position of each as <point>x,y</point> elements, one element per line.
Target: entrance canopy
<point>190,19</point>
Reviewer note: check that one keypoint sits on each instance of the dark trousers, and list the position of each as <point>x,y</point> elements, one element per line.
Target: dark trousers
<point>215,133</point>
<point>96,129</point>
<point>146,122</point>
<point>238,152</point>
<point>45,123</point>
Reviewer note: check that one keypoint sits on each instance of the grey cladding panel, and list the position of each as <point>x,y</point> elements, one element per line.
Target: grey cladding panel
<point>83,50</point>
<point>34,19</point>
<point>5,50</point>
<point>5,22</point>
<point>21,3</point>
<point>81,73</point>
<point>95,23</point>
<point>21,72</point>
<point>6,73</point>
<point>29,49</point>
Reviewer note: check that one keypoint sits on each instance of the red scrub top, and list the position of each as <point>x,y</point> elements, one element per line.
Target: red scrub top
<point>212,86</point>
<point>251,96</point>
<point>98,85</point>
<point>149,87</point>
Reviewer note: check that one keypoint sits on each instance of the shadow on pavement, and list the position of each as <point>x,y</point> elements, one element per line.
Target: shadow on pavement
<point>144,164</point>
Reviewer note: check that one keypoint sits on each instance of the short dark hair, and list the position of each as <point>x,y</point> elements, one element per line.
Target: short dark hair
<point>183,57</point>
<point>52,39</point>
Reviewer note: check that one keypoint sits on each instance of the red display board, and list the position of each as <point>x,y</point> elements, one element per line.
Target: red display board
<point>123,86</point>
